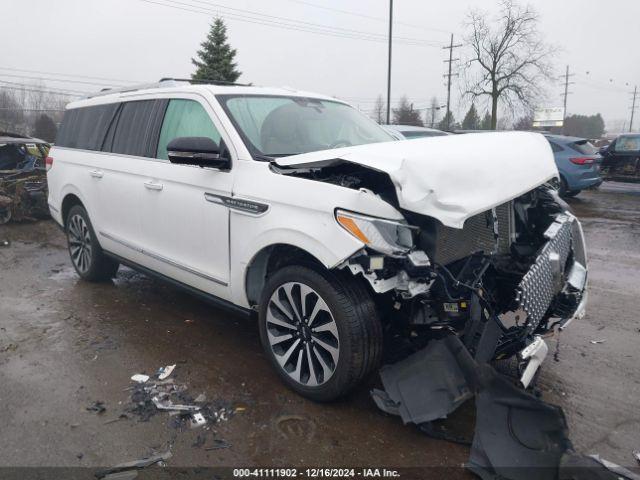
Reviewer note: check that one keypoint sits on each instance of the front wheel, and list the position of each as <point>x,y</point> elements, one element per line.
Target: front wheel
<point>320,330</point>
<point>87,256</point>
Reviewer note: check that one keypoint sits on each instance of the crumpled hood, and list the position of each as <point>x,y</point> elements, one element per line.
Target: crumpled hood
<point>454,177</point>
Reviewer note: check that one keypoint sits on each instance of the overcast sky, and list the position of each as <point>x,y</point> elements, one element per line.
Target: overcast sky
<point>133,40</point>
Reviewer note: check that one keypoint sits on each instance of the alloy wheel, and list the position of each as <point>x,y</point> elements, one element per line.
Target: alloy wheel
<point>302,334</point>
<point>79,243</point>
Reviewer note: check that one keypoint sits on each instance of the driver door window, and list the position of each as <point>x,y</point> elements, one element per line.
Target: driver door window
<point>185,118</point>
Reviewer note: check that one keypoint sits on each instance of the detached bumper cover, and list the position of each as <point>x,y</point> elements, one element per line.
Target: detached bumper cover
<point>560,266</point>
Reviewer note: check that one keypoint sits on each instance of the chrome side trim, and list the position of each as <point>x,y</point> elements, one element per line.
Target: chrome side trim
<point>166,260</point>
<point>247,206</point>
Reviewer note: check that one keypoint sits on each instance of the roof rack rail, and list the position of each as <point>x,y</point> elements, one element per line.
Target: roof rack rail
<point>206,81</point>
<point>164,82</point>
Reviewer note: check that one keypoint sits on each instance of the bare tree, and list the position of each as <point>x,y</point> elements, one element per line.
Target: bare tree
<point>379,110</point>
<point>510,62</point>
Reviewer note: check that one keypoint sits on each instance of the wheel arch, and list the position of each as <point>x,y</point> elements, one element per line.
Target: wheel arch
<point>69,201</point>
<point>270,259</point>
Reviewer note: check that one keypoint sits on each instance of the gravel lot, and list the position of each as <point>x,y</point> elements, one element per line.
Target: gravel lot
<point>65,344</point>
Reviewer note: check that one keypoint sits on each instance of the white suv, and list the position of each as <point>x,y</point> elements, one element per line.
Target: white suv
<point>298,207</point>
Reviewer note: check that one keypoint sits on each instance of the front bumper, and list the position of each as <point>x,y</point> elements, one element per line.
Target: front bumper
<point>559,269</point>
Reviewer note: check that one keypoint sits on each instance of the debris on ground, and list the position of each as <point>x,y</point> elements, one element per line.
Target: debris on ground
<point>140,378</point>
<point>200,441</point>
<point>198,420</point>
<point>97,407</point>
<point>12,347</point>
<point>162,394</point>
<point>517,435</point>
<point>636,454</point>
<point>164,372</point>
<point>110,473</point>
<point>595,342</point>
<point>5,243</point>
<point>218,445</point>
<point>421,395</point>
<point>617,470</point>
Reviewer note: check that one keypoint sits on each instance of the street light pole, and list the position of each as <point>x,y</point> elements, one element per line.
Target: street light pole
<point>389,64</point>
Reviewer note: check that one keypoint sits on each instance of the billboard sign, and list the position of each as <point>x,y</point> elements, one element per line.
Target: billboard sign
<point>548,117</point>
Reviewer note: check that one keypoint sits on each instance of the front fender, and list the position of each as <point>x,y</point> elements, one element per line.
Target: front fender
<point>330,246</point>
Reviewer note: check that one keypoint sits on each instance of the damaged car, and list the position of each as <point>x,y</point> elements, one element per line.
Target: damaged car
<point>344,243</point>
<point>23,183</point>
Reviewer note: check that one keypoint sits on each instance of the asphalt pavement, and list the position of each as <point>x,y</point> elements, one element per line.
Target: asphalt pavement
<point>66,344</point>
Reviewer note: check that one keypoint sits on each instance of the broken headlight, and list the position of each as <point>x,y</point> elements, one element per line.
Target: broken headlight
<point>385,236</point>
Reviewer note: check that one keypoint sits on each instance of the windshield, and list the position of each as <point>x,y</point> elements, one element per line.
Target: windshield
<point>278,126</point>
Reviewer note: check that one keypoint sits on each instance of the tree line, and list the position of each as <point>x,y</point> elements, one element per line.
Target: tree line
<point>504,71</point>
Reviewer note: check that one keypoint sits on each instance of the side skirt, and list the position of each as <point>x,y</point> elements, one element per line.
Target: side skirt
<point>207,297</point>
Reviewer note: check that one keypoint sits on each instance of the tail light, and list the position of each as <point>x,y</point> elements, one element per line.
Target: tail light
<point>582,160</point>
<point>48,163</point>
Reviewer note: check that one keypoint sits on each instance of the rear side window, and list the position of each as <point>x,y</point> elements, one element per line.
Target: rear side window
<point>136,131</point>
<point>628,143</point>
<point>85,127</point>
<point>583,147</point>
<point>555,147</point>
<point>185,118</point>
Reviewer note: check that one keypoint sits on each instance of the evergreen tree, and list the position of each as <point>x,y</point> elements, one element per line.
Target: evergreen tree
<point>216,57</point>
<point>471,119</point>
<point>405,114</point>
<point>448,122</point>
<point>45,128</point>
<point>485,124</point>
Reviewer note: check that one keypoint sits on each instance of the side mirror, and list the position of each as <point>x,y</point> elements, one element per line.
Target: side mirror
<point>199,151</point>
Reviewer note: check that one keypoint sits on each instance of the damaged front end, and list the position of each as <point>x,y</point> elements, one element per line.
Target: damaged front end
<point>509,276</point>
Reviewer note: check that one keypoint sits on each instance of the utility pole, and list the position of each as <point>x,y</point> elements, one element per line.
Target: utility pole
<point>433,113</point>
<point>565,95</point>
<point>389,63</point>
<point>448,76</point>
<point>633,107</point>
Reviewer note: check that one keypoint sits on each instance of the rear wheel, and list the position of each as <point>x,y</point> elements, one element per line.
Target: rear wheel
<point>86,255</point>
<point>320,331</point>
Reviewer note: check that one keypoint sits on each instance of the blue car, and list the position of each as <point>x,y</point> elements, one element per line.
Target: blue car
<point>578,163</point>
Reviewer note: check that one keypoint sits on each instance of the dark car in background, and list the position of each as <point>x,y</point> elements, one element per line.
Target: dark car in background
<point>408,132</point>
<point>578,163</point>
<point>621,158</point>
<point>23,183</point>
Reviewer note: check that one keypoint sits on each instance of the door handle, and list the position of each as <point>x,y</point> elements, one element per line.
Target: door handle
<point>153,186</point>
<point>96,173</point>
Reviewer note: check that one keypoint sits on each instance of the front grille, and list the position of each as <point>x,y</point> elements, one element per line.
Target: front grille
<point>545,278</point>
<point>477,235</point>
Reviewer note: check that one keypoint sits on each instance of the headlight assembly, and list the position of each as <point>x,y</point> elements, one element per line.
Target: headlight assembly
<point>385,236</point>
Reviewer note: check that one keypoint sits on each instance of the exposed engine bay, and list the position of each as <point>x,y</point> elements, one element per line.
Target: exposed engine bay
<point>517,270</point>
<point>512,273</point>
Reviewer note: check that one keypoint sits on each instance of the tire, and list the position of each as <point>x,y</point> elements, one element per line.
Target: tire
<point>85,252</point>
<point>350,313</point>
<point>562,191</point>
